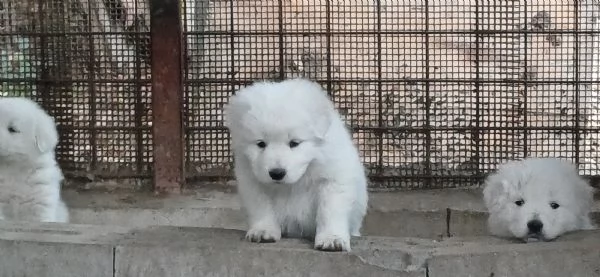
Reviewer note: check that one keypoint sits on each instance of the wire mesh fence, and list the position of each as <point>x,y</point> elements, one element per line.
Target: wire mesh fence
<point>437,93</point>
<point>86,64</point>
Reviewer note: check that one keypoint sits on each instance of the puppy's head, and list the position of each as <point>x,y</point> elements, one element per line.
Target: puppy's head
<point>26,131</point>
<point>279,127</point>
<point>537,199</point>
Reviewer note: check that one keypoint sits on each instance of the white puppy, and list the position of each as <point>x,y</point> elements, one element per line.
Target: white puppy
<point>537,199</point>
<point>298,171</point>
<point>30,179</point>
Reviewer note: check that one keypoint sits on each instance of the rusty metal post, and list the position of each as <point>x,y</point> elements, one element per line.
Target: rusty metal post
<point>167,95</point>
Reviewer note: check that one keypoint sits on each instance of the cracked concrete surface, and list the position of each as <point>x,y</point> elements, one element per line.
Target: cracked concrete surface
<point>425,214</point>
<point>412,234</point>
<point>46,249</point>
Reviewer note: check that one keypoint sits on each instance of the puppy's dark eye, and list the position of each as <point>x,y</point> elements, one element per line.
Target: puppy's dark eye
<point>554,205</point>
<point>12,130</point>
<point>294,143</point>
<point>261,144</point>
<point>519,202</point>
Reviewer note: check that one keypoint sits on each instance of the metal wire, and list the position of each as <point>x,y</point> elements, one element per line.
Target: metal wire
<point>437,93</point>
<point>95,83</point>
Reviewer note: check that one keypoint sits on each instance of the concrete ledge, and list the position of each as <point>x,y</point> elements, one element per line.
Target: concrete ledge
<point>575,254</point>
<point>30,249</point>
<point>56,249</point>
<point>426,214</point>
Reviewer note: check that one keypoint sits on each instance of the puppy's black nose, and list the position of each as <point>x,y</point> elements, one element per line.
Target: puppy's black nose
<point>535,226</point>
<point>277,174</point>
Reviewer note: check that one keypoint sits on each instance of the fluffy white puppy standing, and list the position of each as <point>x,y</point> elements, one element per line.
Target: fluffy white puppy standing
<point>537,199</point>
<point>298,171</point>
<point>30,179</point>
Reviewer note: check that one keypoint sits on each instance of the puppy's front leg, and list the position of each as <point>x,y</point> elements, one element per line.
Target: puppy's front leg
<point>263,225</point>
<point>333,212</point>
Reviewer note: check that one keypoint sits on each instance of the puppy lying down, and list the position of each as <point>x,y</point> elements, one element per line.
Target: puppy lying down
<point>537,199</point>
<point>30,179</point>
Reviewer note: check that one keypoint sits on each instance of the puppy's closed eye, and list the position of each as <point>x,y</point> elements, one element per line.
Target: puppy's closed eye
<point>12,130</point>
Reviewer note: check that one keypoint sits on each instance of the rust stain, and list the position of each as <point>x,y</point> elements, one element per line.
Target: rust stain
<point>167,96</point>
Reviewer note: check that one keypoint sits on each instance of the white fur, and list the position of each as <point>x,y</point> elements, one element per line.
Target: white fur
<point>538,182</point>
<point>29,176</point>
<point>324,193</point>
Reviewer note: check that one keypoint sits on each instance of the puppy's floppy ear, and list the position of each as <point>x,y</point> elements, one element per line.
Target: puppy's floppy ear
<point>496,192</point>
<point>45,134</point>
<point>325,112</point>
<point>234,111</point>
<point>584,192</point>
<point>322,124</point>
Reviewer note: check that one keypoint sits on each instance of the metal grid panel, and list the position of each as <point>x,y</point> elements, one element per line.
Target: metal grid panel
<point>87,64</point>
<point>437,93</point>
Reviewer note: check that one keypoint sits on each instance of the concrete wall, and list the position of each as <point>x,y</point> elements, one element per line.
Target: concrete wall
<point>30,249</point>
<point>425,214</point>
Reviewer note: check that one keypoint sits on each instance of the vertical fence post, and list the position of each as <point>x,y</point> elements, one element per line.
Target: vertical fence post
<point>167,95</point>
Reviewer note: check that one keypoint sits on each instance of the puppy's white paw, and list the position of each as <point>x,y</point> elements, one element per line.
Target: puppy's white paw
<point>330,242</point>
<point>263,235</point>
